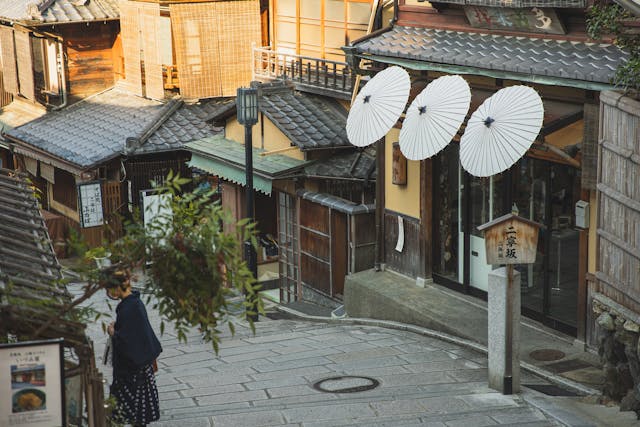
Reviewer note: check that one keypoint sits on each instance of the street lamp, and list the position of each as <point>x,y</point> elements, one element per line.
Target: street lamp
<point>247,114</point>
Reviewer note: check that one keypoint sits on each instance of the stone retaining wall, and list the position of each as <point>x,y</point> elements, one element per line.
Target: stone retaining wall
<point>618,331</point>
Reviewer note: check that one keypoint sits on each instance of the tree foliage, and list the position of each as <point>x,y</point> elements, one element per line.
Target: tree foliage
<point>606,18</point>
<point>193,267</point>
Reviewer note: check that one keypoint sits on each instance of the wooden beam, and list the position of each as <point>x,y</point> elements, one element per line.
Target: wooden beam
<point>279,150</point>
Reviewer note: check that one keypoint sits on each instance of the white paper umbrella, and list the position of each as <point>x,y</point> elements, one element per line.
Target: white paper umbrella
<point>378,106</point>
<point>434,117</point>
<point>501,130</point>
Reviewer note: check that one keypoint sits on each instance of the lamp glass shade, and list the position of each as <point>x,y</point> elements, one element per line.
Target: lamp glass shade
<point>247,106</point>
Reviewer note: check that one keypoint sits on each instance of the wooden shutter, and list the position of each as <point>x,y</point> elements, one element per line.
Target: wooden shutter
<point>9,68</point>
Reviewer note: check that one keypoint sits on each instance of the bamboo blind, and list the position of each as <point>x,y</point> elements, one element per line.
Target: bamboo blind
<point>5,97</point>
<point>25,64</point>
<point>9,68</point>
<point>238,29</point>
<point>213,44</point>
<point>130,30</point>
<point>153,81</point>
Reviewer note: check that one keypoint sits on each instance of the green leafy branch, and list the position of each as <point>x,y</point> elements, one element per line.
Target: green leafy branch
<point>607,19</point>
<point>193,265</point>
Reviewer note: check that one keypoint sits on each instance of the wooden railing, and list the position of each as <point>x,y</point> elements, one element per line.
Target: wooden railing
<point>308,74</point>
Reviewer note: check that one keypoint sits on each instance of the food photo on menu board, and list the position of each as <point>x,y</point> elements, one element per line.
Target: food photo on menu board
<point>31,392</point>
<point>27,383</point>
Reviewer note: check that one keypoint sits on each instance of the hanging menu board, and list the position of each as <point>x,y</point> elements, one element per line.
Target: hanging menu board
<point>31,387</point>
<point>90,204</point>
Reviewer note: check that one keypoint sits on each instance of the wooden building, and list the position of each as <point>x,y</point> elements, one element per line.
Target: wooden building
<point>440,205</point>
<point>54,54</point>
<point>314,191</point>
<point>91,161</point>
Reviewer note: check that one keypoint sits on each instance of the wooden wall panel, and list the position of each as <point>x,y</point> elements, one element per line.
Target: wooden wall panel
<point>315,244</point>
<point>9,68</point>
<point>315,273</point>
<point>314,216</point>
<point>408,261</point>
<point>90,57</point>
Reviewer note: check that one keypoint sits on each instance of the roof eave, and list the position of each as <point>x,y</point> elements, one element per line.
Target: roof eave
<point>419,65</point>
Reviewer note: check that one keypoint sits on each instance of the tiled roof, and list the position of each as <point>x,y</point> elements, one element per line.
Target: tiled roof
<point>117,122</point>
<point>336,203</point>
<point>59,11</point>
<point>26,256</point>
<point>531,56</point>
<point>19,112</point>
<point>91,131</point>
<point>310,122</point>
<point>359,164</point>
<point>31,291</point>
<point>186,124</point>
<point>233,154</point>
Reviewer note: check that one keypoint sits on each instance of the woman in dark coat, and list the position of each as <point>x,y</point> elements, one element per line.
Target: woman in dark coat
<point>135,349</point>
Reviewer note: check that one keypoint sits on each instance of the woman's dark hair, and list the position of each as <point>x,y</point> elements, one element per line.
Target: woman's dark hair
<point>115,275</point>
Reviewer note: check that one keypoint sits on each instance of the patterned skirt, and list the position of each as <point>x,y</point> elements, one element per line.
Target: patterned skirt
<point>136,397</point>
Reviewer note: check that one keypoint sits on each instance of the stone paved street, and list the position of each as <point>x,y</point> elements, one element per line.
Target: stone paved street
<point>266,379</point>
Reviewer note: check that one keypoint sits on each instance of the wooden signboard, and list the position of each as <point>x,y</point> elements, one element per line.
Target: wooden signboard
<point>32,384</point>
<point>510,239</point>
<point>399,172</point>
<point>535,19</point>
<point>90,204</point>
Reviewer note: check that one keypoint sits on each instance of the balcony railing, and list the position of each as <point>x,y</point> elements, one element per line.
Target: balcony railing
<point>321,76</point>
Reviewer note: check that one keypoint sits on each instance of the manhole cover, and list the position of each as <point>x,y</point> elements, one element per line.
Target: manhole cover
<point>546,355</point>
<point>346,384</point>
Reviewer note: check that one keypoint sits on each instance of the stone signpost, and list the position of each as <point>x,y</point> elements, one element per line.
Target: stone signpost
<point>509,240</point>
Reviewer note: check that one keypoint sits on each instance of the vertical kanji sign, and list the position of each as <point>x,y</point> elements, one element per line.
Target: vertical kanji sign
<point>90,204</point>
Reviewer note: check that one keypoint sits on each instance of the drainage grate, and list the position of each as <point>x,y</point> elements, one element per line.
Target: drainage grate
<point>278,315</point>
<point>551,390</point>
<point>567,365</point>
<point>346,384</point>
<point>546,355</point>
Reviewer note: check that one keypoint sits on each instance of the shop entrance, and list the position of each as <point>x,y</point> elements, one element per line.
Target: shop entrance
<point>542,191</point>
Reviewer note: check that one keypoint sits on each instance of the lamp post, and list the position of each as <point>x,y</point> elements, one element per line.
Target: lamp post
<point>247,114</point>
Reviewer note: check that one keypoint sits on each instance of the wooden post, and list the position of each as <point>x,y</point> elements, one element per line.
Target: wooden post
<point>508,334</point>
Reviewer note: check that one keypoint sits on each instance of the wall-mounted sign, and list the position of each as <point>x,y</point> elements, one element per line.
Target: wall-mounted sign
<point>510,239</point>
<point>31,384</point>
<point>90,204</point>
<point>534,19</point>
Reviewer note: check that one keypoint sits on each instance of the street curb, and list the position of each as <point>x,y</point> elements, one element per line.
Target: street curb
<point>547,375</point>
